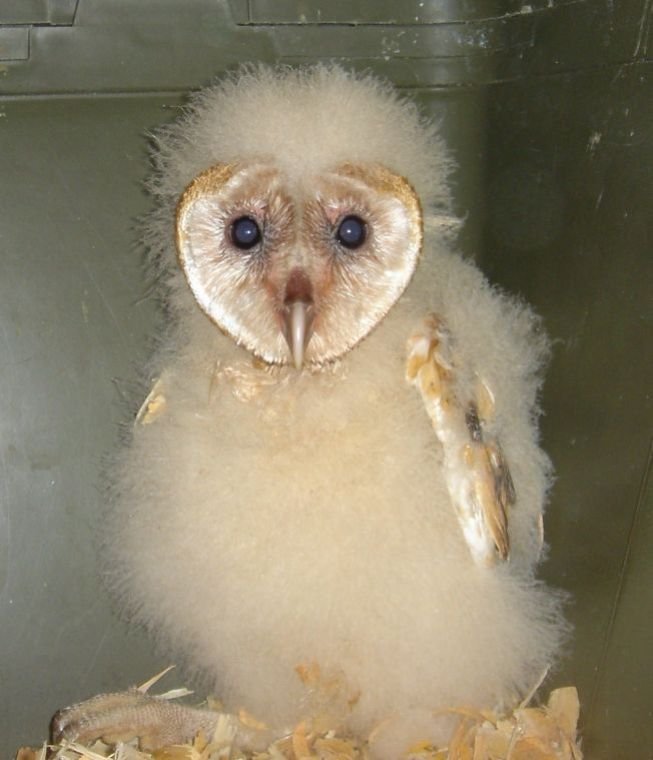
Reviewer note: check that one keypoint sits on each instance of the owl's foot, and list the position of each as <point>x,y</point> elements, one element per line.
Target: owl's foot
<point>476,473</point>
<point>156,722</point>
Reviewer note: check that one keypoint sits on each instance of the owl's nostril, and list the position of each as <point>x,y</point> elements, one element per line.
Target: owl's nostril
<point>298,287</point>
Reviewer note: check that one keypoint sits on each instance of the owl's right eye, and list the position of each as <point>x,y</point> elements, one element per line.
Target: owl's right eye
<point>245,233</point>
<point>351,232</point>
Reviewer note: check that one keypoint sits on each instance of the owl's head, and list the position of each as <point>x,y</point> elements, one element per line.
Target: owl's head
<point>299,196</point>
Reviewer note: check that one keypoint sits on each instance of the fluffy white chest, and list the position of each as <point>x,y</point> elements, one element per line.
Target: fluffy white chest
<point>316,467</point>
<point>263,522</point>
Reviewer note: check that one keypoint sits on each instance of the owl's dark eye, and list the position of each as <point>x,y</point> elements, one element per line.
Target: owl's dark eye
<point>245,233</point>
<point>351,232</point>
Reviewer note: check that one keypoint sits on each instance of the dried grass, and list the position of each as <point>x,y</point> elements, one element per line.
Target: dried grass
<point>548,732</point>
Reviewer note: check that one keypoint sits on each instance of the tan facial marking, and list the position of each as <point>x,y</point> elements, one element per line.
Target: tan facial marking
<point>208,182</point>
<point>349,290</point>
<point>387,182</point>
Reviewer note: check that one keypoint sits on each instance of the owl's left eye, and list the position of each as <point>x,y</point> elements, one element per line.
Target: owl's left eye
<point>351,232</point>
<point>245,233</point>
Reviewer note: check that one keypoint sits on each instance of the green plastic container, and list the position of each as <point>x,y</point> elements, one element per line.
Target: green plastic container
<point>547,107</point>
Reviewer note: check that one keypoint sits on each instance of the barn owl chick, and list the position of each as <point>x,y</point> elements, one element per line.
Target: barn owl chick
<point>336,482</point>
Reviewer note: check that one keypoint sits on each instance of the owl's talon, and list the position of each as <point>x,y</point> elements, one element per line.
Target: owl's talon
<point>123,716</point>
<point>81,721</point>
<point>477,475</point>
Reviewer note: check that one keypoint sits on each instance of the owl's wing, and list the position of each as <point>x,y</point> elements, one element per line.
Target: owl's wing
<point>476,472</point>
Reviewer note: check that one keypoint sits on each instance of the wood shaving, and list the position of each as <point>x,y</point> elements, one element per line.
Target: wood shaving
<point>247,719</point>
<point>153,406</point>
<point>549,732</point>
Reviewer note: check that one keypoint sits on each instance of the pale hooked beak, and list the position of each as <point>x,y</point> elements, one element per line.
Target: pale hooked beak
<point>298,314</point>
<point>298,323</point>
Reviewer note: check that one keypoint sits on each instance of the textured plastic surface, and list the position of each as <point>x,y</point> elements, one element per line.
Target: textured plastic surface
<point>74,322</point>
<point>569,226</point>
<point>128,46</point>
<point>57,12</point>
<point>551,130</point>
